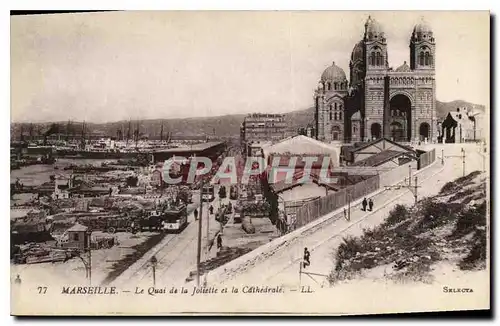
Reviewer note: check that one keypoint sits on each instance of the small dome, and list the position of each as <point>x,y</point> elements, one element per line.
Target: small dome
<point>422,27</point>
<point>422,31</point>
<point>403,68</point>
<point>333,73</point>
<point>357,52</point>
<point>373,29</point>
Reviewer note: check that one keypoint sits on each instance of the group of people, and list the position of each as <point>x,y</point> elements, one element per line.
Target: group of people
<point>219,236</point>
<point>195,213</point>
<point>368,203</point>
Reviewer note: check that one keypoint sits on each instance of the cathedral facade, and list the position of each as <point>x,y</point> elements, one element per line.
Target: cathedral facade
<point>378,101</point>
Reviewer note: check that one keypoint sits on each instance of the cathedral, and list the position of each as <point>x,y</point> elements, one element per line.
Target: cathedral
<point>378,101</point>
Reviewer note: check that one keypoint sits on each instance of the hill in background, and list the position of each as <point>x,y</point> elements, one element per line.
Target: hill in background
<point>222,126</point>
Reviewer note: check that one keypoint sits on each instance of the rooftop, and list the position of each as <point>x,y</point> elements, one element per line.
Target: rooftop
<point>78,228</point>
<point>379,158</point>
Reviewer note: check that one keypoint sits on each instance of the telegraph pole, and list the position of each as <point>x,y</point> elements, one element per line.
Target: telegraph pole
<point>208,233</point>
<point>413,189</point>
<point>198,257</point>
<point>463,160</point>
<point>90,258</point>
<point>348,207</point>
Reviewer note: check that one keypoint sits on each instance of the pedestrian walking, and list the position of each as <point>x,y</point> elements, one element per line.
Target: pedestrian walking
<point>364,203</point>
<point>345,214</point>
<point>307,258</point>
<point>370,203</point>
<point>211,209</point>
<point>219,242</point>
<point>18,279</point>
<point>195,214</point>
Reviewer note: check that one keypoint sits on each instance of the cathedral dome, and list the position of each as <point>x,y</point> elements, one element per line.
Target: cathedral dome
<point>422,31</point>
<point>373,29</point>
<point>403,68</point>
<point>422,27</point>
<point>334,73</point>
<point>357,52</point>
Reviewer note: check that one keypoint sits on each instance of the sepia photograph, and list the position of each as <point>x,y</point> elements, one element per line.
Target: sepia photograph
<point>249,162</point>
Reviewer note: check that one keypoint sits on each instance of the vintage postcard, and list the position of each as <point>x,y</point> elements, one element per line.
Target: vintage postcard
<point>249,162</point>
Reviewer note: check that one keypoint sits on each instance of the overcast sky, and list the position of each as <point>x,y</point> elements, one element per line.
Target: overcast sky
<point>142,65</point>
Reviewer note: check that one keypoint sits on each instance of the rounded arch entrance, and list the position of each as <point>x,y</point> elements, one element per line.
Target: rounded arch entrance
<point>400,117</point>
<point>397,131</point>
<point>424,131</point>
<point>376,131</point>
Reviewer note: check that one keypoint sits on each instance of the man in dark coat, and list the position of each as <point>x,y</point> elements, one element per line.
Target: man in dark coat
<point>211,209</point>
<point>370,204</point>
<point>307,258</point>
<point>195,214</point>
<point>219,242</point>
<point>364,203</point>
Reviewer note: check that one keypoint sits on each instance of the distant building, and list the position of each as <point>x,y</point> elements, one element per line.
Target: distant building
<point>308,131</point>
<point>461,126</point>
<point>263,127</point>
<point>156,178</point>
<point>78,237</point>
<point>382,152</point>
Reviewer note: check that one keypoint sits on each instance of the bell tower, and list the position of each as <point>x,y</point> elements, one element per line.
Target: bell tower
<point>422,48</point>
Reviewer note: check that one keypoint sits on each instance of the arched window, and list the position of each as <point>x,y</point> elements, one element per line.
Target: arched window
<point>377,59</point>
<point>372,59</point>
<point>329,85</point>
<point>340,107</point>
<point>335,115</point>
<point>340,115</point>
<point>427,58</point>
<point>335,86</point>
<point>330,112</point>
<point>430,59</point>
<point>421,61</point>
<point>335,106</point>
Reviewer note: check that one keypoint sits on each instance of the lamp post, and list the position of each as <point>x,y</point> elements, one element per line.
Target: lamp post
<point>154,262</point>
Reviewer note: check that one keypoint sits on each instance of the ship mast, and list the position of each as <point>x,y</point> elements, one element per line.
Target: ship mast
<point>67,131</point>
<point>83,135</point>
<point>128,131</point>
<point>31,132</point>
<point>22,132</point>
<point>161,133</point>
<point>136,133</point>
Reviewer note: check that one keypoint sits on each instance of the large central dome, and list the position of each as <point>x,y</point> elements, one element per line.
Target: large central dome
<point>333,73</point>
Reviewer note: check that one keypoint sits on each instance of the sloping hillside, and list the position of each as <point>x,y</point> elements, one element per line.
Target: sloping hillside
<point>449,227</point>
<point>222,126</point>
<point>442,108</point>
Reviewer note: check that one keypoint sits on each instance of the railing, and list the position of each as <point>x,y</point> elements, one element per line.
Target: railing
<point>322,206</point>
